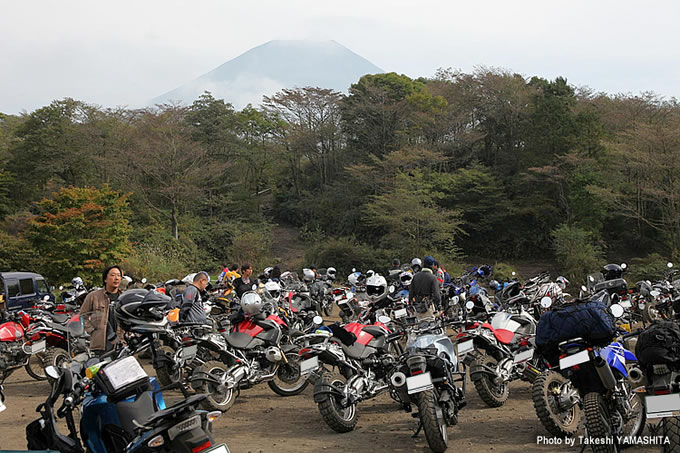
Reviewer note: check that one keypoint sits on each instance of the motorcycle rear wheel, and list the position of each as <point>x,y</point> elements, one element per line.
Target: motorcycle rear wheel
<point>339,419</point>
<point>598,424</point>
<point>494,395</point>
<point>55,357</point>
<point>432,418</point>
<point>288,380</point>
<point>545,394</point>
<point>671,431</point>
<point>219,397</point>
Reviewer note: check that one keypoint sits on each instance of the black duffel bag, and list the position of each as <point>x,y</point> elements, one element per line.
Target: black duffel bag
<point>590,320</point>
<point>659,344</point>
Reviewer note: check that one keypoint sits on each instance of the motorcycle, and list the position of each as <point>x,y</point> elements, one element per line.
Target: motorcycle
<point>425,376</point>
<point>362,354</point>
<point>15,349</point>
<point>122,410</point>
<point>498,353</point>
<point>612,410</point>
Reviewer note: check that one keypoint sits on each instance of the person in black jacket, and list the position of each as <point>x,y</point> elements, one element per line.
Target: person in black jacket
<point>244,282</point>
<point>191,309</point>
<point>424,292</point>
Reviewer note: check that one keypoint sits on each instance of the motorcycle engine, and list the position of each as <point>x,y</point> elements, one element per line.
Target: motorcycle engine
<point>11,354</point>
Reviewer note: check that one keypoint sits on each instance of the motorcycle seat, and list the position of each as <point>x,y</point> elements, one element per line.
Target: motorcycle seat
<point>193,400</point>
<point>238,340</point>
<point>75,329</point>
<point>140,410</point>
<point>504,336</point>
<point>376,331</point>
<point>60,318</point>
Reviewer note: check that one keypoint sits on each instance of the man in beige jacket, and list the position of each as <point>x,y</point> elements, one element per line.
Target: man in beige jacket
<point>97,312</point>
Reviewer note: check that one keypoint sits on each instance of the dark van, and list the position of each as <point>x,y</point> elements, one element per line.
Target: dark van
<point>20,289</point>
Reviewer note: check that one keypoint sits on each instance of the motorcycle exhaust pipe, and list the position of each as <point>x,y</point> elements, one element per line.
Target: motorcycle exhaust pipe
<point>635,375</point>
<point>398,379</point>
<point>605,373</point>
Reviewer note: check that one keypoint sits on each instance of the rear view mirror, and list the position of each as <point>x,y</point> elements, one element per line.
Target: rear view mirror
<point>52,372</point>
<point>254,287</point>
<point>318,320</point>
<point>470,305</point>
<point>654,293</point>
<point>624,265</point>
<point>584,289</point>
<point>514,273</point>
<point>455,300</point>
<point>46,298</point>
<point>61,287</point>
<point>669,265</point>
<point>617,310</point>
<point>144,280</point>
<point>546,302</point>
<point>391,289</point>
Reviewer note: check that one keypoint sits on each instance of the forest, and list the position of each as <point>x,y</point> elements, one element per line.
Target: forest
<point>483,164</point>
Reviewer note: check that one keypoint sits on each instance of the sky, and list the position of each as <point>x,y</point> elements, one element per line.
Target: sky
<point>125,53</point>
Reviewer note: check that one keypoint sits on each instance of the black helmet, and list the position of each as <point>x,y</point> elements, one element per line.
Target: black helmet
<point>612,271</point>
<point>142,310</point>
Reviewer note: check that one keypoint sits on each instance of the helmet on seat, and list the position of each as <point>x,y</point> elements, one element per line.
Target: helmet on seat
<point>308,275</point>
<point>142,310</point>
<point>251,303</point>
<point>273,290</point>
<point>612,271</point>
<point>376,287</point>
<point>330,273</point>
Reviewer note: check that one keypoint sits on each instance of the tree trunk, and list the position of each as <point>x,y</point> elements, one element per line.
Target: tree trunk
<point>173,220</point>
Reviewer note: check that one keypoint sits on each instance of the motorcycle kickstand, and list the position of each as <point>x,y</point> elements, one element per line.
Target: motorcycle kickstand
<point>420,427</point>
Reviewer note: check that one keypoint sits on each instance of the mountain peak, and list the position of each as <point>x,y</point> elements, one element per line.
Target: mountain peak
<point>274,65</point>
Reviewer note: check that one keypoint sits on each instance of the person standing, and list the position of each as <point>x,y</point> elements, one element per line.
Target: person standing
<point>97,312</point>
<point>424,292</point>
<point>244,282</point>
<point>192,303</point>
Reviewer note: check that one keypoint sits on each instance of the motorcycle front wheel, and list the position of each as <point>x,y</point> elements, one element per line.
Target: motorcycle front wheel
<point>288,380</point>
<point>36,366</point>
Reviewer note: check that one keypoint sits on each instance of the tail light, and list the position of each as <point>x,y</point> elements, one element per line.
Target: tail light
<point>201,447</point>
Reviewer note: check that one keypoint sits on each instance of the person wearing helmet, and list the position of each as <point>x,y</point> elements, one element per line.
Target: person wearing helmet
<point>376,288</point>
<point>395,271</point>
<point>244,282</point>
<point>331,273</point>
<point>98,315</point>
<point>191,309</point>
<point>424,292</point>
<point>416,265</point>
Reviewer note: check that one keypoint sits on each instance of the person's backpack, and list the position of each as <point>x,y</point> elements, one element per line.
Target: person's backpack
<point>659,344</point>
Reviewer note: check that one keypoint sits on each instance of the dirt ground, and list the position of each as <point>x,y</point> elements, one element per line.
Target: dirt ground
<point>262,421</point>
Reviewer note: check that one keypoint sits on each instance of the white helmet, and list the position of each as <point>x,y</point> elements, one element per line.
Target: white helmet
<point>406,278</point>
<point>370,273</point>
<point>416,262</point>
<point>330,273</point>
<point>353,278</point>
<point>189,279</point>
<point>562,282</point>
<point>273,290</point>
<point>308,275</point>
<point>251,304</point>
<point>268,271</point>
<point>77,282</point>
<point>376,287</point>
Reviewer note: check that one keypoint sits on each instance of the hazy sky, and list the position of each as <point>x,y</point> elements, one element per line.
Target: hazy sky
<point>127,52</point>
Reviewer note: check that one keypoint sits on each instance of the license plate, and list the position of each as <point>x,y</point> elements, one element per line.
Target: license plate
<point>570,361</point>
<point>400,313</point>
<point>419,383</point>
<point>659,406</point>
<point>38,347</point>
<point>625,304</point>
<point>189,352</point>
<point>524,356</point>
<point>309,365</point>
<point>222,448</point>
<point>465,347</point>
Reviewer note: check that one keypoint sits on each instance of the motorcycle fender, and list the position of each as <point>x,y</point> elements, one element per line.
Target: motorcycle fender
<point>478,371</point>
<point>321,391</point>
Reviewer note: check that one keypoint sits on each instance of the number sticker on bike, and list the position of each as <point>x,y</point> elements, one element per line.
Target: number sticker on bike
<point>400,313</point>
<point>189,352</point>
<point>222,448</point>
<point>309,365</point>
<point>524,356</point>
<point>660,406</point>
<point>576,359</point>
<point>465,347</point>
<point>419,383</point>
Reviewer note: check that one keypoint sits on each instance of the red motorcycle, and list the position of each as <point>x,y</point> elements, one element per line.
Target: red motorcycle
<point>253,353</point>
<point>15,350</point>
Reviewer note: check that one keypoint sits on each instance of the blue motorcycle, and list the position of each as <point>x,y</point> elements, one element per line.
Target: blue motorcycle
<point>613,412</point>
<point>123,411</point>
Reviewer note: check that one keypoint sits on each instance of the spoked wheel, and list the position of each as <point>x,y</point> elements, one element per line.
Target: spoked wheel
<point>493,393</point>
<point>36,366</point>
<point>636,423</point>
<point>598,424</point>
<point>56,357</point>
<point>220,395</point>
<point>434,423</point>
<point>340,419</point>
<point>548,392</point>
<point>288,380</point>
